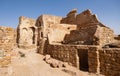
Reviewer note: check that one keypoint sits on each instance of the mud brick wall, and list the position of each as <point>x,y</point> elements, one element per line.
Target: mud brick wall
<point>106,36</point>
<point>63,53</point>
<point>7,38</point>
<point>110,61</point>
<point>93,60</point>
<point>71,54</point>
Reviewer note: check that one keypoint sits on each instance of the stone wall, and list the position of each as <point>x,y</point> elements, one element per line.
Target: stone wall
<point>45,22</point>
<point>80,19</point>
<point>85,18</point>
<point>26,33</point>
<point>84,57</point>
<point>7,38</point>
<point>90,31</point>
<point>93,60</point>
<point>106,36</point>
<point>100,61</point>
<point>63,53</point>
<point>57,32</point>
<point>70,18</point>
<point>83,36</point>
<point>110,61</point>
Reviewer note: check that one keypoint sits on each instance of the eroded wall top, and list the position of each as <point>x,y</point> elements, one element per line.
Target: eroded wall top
<point>26,22</point>
<point>26,32</point>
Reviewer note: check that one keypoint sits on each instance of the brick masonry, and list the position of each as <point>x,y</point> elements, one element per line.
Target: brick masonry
<point>110,61</point>
<point>71,54</point>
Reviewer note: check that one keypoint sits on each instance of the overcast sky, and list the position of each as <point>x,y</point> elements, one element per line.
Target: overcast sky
<point>108,11</point>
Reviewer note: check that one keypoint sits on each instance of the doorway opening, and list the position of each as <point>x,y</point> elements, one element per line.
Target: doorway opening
<point>33,36</point>
<point>83,59</point>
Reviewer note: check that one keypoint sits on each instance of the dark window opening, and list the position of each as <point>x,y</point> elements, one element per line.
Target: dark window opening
<point>41,34</point>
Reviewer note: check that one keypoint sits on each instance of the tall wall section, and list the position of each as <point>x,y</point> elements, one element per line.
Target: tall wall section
<point>26,33</point>
<point>46,22</point>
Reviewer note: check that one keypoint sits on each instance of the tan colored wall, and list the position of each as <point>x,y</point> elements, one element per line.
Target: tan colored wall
<point>71,54</point>
<point>85,18</point>
<point>106,36</point>
<point>80,19</point>
<point>63,53</point>
<point>48,21</point>
<point>58,32</point>
<point>83,36</point>
<point>110,61</point>
<point>51,27</point>
<point>89,30</point>
<point>70,18</point>
<point>100,61</point>
<point>27,33</point>
<point>93,59</point>
<point>7,38</point>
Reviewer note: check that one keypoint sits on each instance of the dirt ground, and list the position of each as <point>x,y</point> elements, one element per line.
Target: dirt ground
<point>32,64</point>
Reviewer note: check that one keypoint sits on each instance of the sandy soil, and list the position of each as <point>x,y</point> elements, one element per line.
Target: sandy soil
<point>33,65</point>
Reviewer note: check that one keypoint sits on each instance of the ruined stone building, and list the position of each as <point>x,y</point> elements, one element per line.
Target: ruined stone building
<point>81,40</point>
<point>26,33</point>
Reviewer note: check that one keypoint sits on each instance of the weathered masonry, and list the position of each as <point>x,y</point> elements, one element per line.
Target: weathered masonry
<point>81,40</point>
<point>26,33</point>
<point>77,39</point>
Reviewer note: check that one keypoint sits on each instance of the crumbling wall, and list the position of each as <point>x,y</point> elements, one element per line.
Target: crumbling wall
<point>58,31</point>
<point>89,30</point>
<point>72,54</point>
<point>83,36</point>
<point>86,19</point>
<point>51,27</point>
<point>70,18</point>
<point>7,44</point>
<point>110,61</point>
<point>80,29</point>
<point>44,24</point>
<point>26,33</point>
<point>47,22</point>
<point>106,36</point>
<point>7,38</point>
